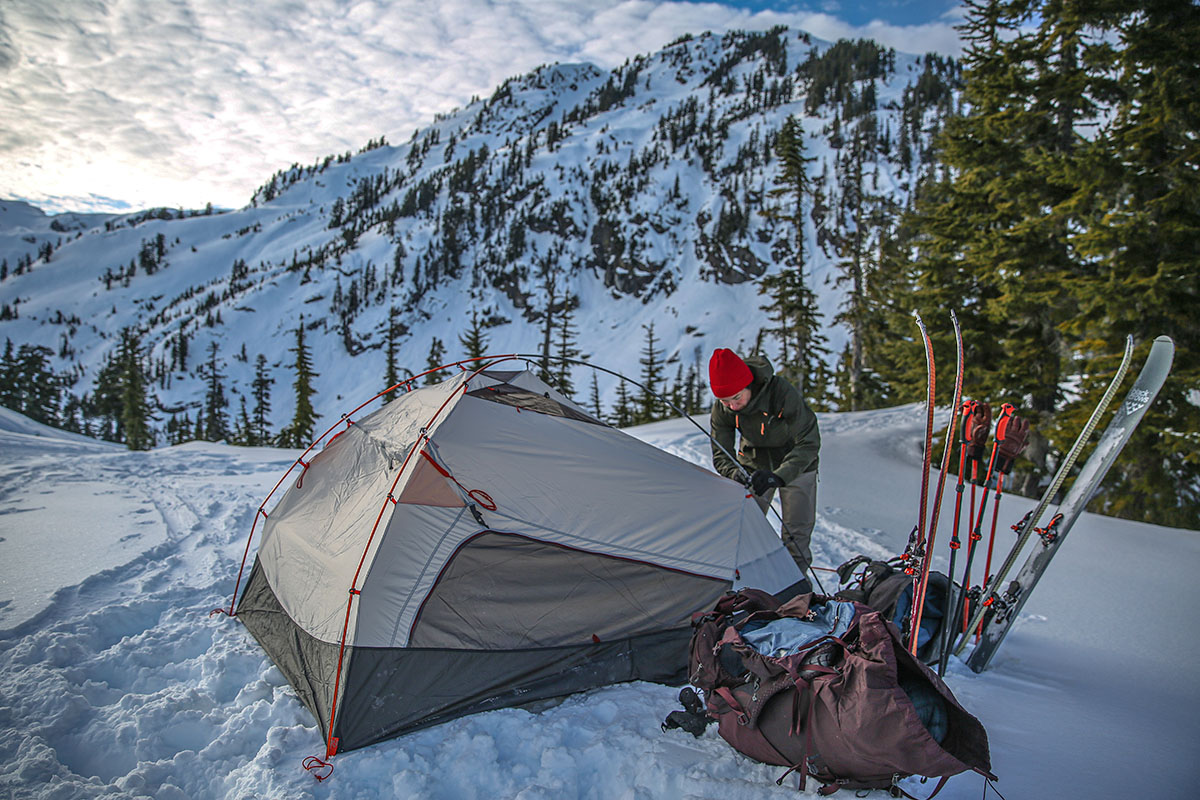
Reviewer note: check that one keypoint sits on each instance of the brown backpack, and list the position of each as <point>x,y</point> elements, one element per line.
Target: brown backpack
<point>854,711</point>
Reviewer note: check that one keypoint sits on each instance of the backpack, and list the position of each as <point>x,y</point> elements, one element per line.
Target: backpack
<point>849,707</point>
<point>886,588</point>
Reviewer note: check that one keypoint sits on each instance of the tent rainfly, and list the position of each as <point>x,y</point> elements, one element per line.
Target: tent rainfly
<point>483,543</point>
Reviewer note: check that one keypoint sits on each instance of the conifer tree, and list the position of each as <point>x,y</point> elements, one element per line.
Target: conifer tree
<point>623,412</point>
<point>792,307</point>
<point>104,403</point>
<point>863,216</point>
<point>38,386</point>
<point>648,404</point>
<point>299,432</point>
<point>473,340</point>
<point>261,388</point>
<point>1138,200</point>
<point>553,306</point>
<point>594,398</point>
<point>435,361</point>
<point>993,238</point>
<point>179,431</point>
<point>216,421</point>
<point>566,351</point>
<point>243,433</point>
<point>10,395</point>
<point>136,411</point>
<point>391,375</point>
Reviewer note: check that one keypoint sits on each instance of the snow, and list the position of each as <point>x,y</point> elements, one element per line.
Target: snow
<point>68,305</point>
<point>115,682</point>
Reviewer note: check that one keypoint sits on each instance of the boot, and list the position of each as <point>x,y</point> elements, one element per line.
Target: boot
<point>692,723</point>
<point>691,702</point>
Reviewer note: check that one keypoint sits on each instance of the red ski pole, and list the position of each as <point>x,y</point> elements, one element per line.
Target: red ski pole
<point>1012,433</point>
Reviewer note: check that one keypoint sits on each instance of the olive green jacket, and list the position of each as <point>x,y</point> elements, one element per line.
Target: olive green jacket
<point>778,430</point>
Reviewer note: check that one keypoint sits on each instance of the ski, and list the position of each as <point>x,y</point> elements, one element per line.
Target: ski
<point>914,553</point>
<point>921,582</point>
<point>1029,523</point>
<point>1000,611</point>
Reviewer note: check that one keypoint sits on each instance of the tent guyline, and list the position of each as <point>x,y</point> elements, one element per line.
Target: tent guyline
<point>392,599</point>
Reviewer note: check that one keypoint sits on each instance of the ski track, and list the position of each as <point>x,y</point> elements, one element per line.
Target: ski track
<point>125,687</point>
<point>120,714</point>
<point>90,707</point>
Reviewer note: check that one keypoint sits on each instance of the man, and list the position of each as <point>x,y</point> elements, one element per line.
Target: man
<point>779,442</point>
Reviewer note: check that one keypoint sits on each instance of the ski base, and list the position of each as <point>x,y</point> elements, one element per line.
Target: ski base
<point>1004,608</point>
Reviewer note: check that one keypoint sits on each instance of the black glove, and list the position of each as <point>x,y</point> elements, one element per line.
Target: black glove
<point>763,479</point>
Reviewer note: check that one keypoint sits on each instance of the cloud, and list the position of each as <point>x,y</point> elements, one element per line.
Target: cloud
<point>182,102</point>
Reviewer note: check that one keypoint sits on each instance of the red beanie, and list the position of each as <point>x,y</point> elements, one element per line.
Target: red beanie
<point>728,374</point>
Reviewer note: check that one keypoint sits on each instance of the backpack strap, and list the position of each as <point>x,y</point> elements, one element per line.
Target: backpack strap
<point>898,792</point>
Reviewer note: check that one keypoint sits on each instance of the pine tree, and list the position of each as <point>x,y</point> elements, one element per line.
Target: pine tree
<point>391,375</point>
<point>261,389</point>
<point>860,219</point>
<point>623,412</point>
<point>136,411</point>
<point>473,340</point>
<point>792,305</point>
<point>243,433</point>
<point>39,387</point>
<point>993,233</point>
<point>594,398</point>
<point>1137,191</point>
<point>649,407</point>
<point>299,433</point>
<point>553,306</point>
<point>567,350</point>
<point>10,395</point>
<point>216,422</point>
<point>104,403</point>
<point>435,361</point>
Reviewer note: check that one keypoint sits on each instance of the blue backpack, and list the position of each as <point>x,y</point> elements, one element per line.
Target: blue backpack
<point>884,587</point>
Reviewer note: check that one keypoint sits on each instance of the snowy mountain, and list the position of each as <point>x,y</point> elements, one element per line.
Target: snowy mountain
<point>571,203</point>
<point>115,683</point>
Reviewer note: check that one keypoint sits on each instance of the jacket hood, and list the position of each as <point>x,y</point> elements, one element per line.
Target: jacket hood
<point>761,369</point>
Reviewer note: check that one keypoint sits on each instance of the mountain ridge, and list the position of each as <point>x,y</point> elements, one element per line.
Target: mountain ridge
<point>618,199</point>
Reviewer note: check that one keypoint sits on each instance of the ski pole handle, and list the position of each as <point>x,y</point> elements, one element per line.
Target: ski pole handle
<point>1012,434</point>
<point>976,429</point>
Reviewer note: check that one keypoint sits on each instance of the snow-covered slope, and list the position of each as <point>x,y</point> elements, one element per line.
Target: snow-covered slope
<point>115,682</point>
<point>631,197</point>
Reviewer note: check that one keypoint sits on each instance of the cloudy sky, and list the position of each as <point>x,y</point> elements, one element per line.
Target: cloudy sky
<point>114,105</point>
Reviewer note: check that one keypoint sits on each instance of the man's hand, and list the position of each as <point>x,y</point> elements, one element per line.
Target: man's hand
<point>763,479</point>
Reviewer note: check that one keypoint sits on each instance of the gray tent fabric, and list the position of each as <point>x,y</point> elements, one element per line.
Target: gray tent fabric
<point>485,542</point>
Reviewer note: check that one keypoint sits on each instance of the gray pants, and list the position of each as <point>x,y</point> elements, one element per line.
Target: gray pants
<point>799,512</point>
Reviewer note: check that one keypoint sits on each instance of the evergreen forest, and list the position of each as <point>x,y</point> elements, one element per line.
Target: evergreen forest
<point>1045,186</point>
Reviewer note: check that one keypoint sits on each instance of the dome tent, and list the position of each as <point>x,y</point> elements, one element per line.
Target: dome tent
<point>482,543</point>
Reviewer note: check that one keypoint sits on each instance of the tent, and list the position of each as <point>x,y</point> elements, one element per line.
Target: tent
<point>483,543</point>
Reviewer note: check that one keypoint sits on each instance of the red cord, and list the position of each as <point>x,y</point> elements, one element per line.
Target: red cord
<point>314,765</point>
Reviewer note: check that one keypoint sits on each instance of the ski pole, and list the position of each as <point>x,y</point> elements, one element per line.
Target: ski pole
<point>1012,433</point>
<point>969,431</point>
<point>976,535</point>
<point>987,566</point>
